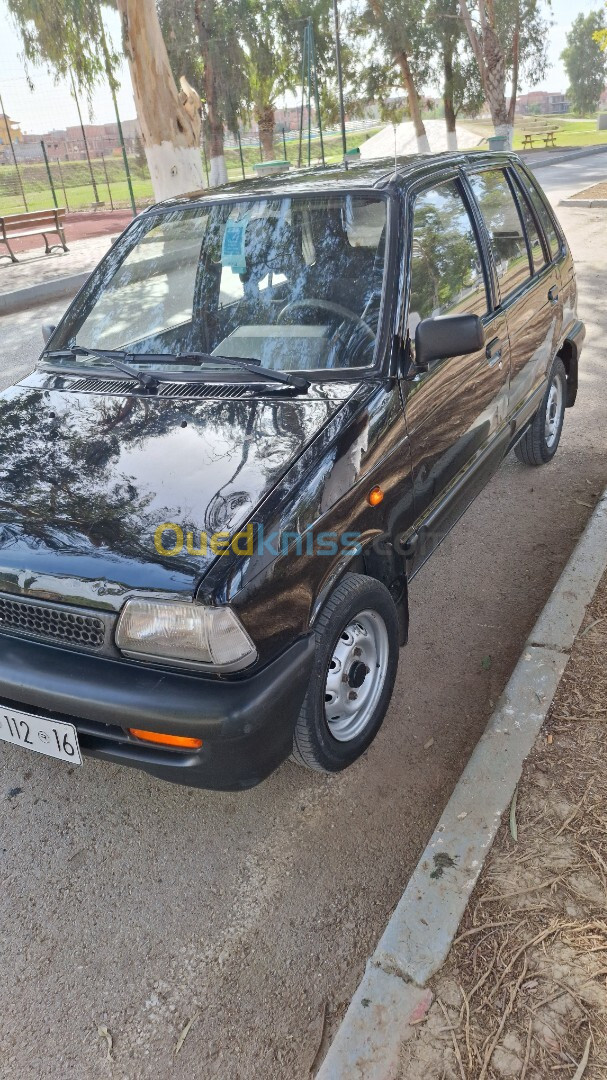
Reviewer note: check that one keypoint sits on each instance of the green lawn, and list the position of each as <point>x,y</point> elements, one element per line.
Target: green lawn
<point>572,131</point>
<point>78,192</point>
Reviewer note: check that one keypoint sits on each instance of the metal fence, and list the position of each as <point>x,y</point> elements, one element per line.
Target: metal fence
<point>87,166</point>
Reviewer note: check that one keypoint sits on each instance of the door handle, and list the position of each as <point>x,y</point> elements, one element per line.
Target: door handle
<point>553,295</point>
<point>493,353</point>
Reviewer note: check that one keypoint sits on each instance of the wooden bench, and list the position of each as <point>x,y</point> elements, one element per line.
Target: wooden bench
<point>34,223</point>
<point>541,132</point>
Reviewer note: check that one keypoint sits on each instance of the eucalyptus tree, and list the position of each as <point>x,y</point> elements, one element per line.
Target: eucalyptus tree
<point>202,39</point>
<point>66,35</point>
<point>454,68</point>
<point>508,38</point>
<point>396,54</point>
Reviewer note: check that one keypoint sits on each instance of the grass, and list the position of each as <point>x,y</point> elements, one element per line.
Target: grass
<point>78,191</point>
<point>74,189</point>
<point>572,131</point>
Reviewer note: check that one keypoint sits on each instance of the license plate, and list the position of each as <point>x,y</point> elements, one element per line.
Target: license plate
<point>51,737</point>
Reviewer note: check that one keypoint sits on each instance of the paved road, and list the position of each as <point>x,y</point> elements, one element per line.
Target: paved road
<point>136,906</point>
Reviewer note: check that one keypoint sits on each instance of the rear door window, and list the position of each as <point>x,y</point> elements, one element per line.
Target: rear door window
<point>505,228</point>
<point>446,266</point>
<point>542,212</point>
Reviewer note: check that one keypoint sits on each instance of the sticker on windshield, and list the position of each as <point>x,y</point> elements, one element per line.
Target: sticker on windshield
<point>233,246</point>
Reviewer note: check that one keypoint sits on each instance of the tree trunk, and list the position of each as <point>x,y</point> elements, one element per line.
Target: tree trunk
<point>448,94</point>
<point>218,173</point>
<point>495,84</point>
<point>423,146</point>
<point>170,132</point>
<point>491,64</point>
<point>265,121</point>
<point>516,49</point>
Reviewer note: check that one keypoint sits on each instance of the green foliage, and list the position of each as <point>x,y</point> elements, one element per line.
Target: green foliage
<point>63,34</point>
<point>585,62</point>
<point>600,36</point>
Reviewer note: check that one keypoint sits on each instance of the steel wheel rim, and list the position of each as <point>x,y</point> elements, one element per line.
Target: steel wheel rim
<point>351,693</point>
<point>554,409</point>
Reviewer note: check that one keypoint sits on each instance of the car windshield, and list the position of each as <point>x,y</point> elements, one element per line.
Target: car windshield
<point>289,283</point>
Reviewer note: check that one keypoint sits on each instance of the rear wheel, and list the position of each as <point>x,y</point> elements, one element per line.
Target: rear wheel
<point>540,442</point>
<point>354,670</point>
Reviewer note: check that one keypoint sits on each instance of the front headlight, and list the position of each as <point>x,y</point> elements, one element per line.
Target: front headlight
<point>184,634</point>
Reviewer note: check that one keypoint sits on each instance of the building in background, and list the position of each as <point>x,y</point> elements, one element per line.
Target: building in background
<point>541,102</point>
<point>67,143</point>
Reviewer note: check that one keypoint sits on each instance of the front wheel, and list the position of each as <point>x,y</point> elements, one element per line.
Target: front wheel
<point>540,442</point>
<point>355,665</point>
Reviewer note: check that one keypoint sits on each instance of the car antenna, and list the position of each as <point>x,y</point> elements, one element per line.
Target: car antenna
<point>395,161</point>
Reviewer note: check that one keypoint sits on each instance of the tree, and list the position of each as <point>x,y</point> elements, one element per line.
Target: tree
<point>585,62</point>
<point>270,63</point>
<point>169,120</point>
<point>398,29</point>
<point>202,42</point>
<point>507,37</point>
<point>600,36</point>
<point>454,67</point>
<point>68,35</point>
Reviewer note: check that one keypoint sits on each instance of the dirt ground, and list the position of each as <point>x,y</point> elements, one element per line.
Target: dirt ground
<point>597,191</point>
<point>524,990</point>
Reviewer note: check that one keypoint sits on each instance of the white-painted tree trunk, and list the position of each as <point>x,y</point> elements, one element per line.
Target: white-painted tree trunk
<point>452,140</point>
<point>423,146</point>
<point>218,173</point>
<point>507,130</point>
<point>170,130</point>
<point>174,170</point>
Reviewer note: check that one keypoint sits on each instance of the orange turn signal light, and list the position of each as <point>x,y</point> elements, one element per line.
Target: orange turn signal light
<point>375,496</point>
<point>181,742</point>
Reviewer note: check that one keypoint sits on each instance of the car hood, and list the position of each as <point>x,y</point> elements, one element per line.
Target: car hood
<point>86,480</point>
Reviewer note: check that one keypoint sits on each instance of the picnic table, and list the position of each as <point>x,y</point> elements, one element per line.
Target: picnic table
<point>34,223</point>
<point>542,131</point>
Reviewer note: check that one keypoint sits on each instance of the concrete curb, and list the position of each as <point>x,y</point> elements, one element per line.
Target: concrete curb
<point>571,155</point>
<point>43,293</point>
<point>421,930</point>
<point>583,202</point>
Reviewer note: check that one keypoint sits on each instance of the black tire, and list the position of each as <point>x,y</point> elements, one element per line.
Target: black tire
<point>535,447</point>
<point>314,744</point>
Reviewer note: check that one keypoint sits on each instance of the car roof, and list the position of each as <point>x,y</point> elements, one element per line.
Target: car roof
<point>380,173</point>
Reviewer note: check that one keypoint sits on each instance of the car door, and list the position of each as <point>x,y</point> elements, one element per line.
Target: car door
<point>456,411</point>
<point>528,282</point>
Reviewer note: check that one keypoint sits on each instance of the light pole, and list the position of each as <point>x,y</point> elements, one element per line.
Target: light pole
<point>340,85</point>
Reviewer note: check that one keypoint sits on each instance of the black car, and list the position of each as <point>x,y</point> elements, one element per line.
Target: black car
<point>259,417</point>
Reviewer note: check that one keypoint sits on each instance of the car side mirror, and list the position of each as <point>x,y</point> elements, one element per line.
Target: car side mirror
<point>451,335</point>
<point>47,330</point>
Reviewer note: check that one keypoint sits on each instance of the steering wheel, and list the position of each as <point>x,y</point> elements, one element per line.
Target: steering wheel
<point>327,305</point>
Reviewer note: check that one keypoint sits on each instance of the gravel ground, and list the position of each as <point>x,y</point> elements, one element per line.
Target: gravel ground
<point>523,991</point>
<point>136,906</point>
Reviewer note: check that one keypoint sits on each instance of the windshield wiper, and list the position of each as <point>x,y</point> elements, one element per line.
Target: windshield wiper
<point>116,358</point>
<point>251,365</point>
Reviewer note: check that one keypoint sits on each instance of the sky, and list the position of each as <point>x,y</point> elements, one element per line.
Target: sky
<point>51,106</point>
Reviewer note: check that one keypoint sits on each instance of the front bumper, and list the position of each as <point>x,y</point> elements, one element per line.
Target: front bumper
<point>246,724</point>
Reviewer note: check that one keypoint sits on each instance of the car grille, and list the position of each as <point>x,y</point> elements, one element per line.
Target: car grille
<point>80,630</point>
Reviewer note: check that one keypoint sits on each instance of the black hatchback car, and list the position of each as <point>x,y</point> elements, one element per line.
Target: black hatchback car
<point>257,420</point>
